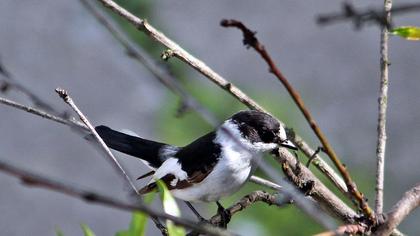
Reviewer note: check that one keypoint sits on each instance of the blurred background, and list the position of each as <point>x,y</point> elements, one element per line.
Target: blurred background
<point>51,43</point>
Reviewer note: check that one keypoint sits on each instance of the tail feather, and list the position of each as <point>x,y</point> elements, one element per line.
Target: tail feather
<point>146,150</point>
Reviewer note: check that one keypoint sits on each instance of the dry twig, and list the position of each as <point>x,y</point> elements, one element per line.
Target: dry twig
<point>36,180</point>
<point>248,200</point>
<point>382,107</point>
<point>67,99</point>
<point>409,202</point>
<point>250,40</point>
<point>370,15</point>
<point>345,230</point>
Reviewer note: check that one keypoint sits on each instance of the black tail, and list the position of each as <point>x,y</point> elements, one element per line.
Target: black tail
<point>144,149</point>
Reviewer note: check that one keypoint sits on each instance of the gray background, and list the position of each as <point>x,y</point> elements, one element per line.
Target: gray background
<point>53,43</point>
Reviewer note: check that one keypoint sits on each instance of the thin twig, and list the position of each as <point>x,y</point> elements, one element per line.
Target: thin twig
<point>43,114</point>
<point>409,202</point>
<point>251,41</point>
<point>264,182</point>
<point>382,107</point>
<point>162,75</point>
<point>36,180</point>
<point>248,200</point>
<point>67,99</point>
<point>10,82</point>
<point>352,229</point>
<point>290,191</point>
<point>304,178</point>
<point>361,17</point>
<point>322,165</point>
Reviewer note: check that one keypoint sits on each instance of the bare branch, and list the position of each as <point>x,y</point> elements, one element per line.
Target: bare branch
<point>409,202</point>
<point>67,99</point>
<point>370,15</point>
<point>43,114</point>
<point>345,230</point>
<point>10,82</point>
<point>248,200</point>
<point>307,182</point>
<point>36,180</point>
<point>165,78</point>
<point>382,107</point>
<point>251,41</point>
<point>264,182</point>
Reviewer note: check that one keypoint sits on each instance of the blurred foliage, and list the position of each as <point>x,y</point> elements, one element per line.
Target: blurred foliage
<point>86,230</point>
<point>407,32</point>
<point>171,208</point>
<point>58,232</point>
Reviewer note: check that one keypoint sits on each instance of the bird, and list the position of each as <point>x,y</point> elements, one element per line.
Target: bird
<point>213,166</point>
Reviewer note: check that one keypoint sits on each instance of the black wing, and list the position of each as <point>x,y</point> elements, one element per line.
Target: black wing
<point>197,159</point>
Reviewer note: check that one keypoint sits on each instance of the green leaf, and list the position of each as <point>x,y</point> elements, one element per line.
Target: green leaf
<point>407,32</point>
<point>138,221</point>
<point>86,230</point>
<point>171,208</point>
<point>58,232</point>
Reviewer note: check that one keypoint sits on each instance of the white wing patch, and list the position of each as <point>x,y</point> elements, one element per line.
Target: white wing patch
<point>170,166</point>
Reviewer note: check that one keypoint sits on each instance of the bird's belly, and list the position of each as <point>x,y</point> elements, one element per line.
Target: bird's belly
<point>226,178</point>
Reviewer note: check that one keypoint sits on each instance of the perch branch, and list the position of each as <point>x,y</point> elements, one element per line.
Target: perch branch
<point>382,107</point>
<point>409,202</point>
<point>248,200</point>
<point>251,41</point>
<point>36,180</point>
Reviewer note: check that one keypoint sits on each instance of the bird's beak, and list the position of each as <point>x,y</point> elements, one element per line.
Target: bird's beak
<point>288,144</point>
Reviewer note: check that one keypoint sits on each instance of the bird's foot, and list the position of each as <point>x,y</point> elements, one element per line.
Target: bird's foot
<point>225,216</point>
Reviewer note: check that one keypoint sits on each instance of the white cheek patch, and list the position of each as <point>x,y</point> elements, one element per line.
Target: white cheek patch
<point>282,133</point>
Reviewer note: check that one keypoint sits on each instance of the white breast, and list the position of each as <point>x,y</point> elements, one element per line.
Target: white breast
<point>238,160</point>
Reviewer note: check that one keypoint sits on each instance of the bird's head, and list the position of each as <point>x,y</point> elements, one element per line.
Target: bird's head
<point>262,130</point>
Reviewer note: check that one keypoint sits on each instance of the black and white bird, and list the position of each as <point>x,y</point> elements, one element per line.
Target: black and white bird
<point>213,166</point>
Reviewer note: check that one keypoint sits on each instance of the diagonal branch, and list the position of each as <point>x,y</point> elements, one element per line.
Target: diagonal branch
<point>409,202</point>
<point>10,82</point>
<point>165,78</point>
<point>382,107</point>
<point>248,200</point>
<point>36,180</point>
<point>67,99</point>
<point>251,41</point>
